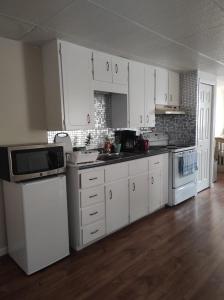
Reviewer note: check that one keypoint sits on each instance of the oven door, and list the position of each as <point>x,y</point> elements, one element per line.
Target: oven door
<point>178,179</point>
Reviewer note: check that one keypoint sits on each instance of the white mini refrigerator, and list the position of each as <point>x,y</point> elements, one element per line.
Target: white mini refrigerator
<point>37,222</point>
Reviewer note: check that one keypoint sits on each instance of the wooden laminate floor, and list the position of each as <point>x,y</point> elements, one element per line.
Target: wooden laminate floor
<point>173,254</point>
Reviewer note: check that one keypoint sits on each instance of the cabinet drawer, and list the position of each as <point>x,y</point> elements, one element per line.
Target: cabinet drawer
<point>138,166</point>
<point>92,178</point>
<point>92,196</point>
<point>93,213</point>
<point>116,172</point>
<point>155,162</point>
<point>93,232</point>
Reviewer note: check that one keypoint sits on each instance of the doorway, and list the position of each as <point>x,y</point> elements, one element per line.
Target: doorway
<point>204,135</point>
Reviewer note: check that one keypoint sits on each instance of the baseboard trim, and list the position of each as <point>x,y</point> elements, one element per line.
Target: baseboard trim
<point>3,251</point>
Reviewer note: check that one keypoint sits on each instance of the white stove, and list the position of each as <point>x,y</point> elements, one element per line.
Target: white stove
<point>182,168</point>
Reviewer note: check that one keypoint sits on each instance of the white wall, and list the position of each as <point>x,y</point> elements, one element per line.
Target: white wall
<point>22,118</point>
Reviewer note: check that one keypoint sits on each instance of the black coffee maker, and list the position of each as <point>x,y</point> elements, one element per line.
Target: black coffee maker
<point>127,139</point>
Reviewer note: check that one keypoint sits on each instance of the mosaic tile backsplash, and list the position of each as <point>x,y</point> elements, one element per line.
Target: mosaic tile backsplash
<point>181,129</point>
<point>102,124</point>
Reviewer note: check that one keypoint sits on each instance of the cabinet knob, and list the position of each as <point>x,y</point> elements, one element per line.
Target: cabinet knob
<point>107,66</point>
<point>152,180</point>
<point>88,119</point>
<point>133,187</point>
<point>116,68</point>
<point>147,118</point>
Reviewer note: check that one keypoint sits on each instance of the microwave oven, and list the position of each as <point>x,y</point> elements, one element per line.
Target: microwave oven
<point>26,162</point>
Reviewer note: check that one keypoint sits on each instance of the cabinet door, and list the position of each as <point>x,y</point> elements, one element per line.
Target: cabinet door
<point>165,169</point>
<point>120,70</point>
<point>102,67</point>
<point>76,77</point>
<point>138,187</point>
<point>174,87</point>
<point>136,94</point>
<point>117,205</point>
<point>149,96</point>
<point>155,190</point>
<point>161,86</point>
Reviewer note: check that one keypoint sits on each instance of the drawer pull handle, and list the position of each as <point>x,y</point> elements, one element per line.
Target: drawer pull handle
<point>95,231</point>
<point>152,180</point>
<point>156,163</point>
<point>94,213</point>
<point>93,196</point>
<point>93,178</point>
<point>111,195</point>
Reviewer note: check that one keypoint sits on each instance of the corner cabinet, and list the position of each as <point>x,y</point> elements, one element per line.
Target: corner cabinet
<point>68,86</point>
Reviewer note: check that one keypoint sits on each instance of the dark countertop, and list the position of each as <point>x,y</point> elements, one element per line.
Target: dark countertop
<point>121,158</point>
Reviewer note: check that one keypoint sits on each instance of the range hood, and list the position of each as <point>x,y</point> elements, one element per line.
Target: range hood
<point>168,110</point>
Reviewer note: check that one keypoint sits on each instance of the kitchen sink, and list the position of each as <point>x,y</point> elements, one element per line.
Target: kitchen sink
<point>112,156</point>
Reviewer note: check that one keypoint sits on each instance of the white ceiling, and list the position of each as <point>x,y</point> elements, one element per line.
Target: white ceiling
<point>178,34</point>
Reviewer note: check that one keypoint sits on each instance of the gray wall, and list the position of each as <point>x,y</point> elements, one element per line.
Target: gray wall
<point>22,117</point>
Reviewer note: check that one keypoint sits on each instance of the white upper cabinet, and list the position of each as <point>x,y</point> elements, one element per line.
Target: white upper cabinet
<point>78,96</point>
<point>110,73</point>
<point>149,96</point>
<point>120,70</point>
<point>136,94</point>
<point>68,89</point>
<point>102,67</point>
<point>141,95</point>
<point>167,87</point>
<point>174,89</point>
<point>161,86</point>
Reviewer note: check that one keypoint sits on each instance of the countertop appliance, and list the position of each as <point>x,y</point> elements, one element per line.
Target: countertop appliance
<point>182,168</point>
<point>25,162</point>
<point>72,155</point>
<point>127,139</point>
<point>37,222</point>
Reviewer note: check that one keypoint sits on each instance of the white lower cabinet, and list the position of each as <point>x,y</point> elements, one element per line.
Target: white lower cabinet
<point>138,191</point>
<point>104,199</point>
<point>165,179</point>
<point>155,190</point>
<point>117,205</point>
